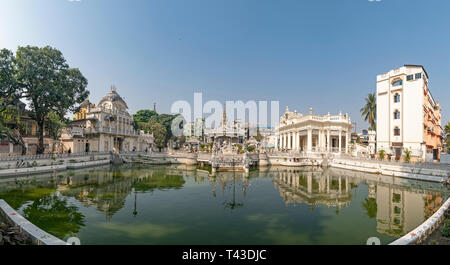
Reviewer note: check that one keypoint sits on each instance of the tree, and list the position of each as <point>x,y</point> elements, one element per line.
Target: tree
<point>369,111</point>
<point>159,133</point>
<point>145,119</point>
<point>259,136</point>
<point>54,124</point>
<point>44,78</point>
<point>8,84</point>
<point>11,126</point>
<point>143,116</point>
<point>447,135</point>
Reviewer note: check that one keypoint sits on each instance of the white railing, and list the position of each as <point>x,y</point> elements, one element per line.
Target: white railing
<point>49,156</point>
<point>110,131</point>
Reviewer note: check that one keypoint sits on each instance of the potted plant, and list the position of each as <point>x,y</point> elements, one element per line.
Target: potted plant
<point>381,154</point>
<point>407,155</point>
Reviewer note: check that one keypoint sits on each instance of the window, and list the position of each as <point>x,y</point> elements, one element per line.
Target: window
<point>396,197</point>
<point>397,83</point>
<point>396,98</point>
<point>397,131</point>
<point>419,76</point>
<point>410,77</point>
<point>396,115</point>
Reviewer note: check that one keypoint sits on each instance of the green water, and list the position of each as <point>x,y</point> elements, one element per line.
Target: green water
<point>134,204</point>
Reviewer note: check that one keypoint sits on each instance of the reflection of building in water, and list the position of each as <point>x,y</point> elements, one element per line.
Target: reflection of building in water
<point>108,190</point>
<point>223,179</point>
<point>399,206</point>
<point>104,190</point>
<point>313,188</point>
<point>400,210</point>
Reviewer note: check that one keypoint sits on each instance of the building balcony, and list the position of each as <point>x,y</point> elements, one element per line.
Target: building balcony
<point>107,130</point>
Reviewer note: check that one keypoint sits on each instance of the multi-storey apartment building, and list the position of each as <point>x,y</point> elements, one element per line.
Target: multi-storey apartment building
<point>408,117</point>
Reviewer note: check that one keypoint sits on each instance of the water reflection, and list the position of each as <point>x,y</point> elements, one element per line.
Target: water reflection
<point>55,215</point>
<point>398,205</point>
<point>183,203</point>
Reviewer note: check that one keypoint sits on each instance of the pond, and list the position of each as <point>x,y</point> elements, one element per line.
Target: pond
<point>138,204</point>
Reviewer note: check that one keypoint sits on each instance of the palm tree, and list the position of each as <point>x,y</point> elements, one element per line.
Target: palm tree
<point>369,111</point>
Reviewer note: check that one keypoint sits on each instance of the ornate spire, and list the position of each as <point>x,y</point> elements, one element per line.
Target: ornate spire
<point>224,115</point>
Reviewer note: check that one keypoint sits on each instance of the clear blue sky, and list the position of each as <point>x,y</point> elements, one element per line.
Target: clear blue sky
<point>323,54</point>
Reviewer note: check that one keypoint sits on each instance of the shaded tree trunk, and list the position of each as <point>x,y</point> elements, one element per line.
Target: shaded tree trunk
<point>40,148</point>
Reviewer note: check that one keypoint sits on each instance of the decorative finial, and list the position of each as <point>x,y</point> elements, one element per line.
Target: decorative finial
<point>113,88</point>
<point>310,111</point>
<point>287,109</point>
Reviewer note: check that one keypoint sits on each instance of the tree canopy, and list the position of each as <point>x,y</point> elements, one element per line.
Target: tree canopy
<point>42,77</point>
<point>158,124</point>
<point>369,111</point>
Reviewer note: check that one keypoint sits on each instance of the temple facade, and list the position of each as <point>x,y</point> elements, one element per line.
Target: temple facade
<point>226,132</point>
<point>313,133</point>
<point>104,128</point>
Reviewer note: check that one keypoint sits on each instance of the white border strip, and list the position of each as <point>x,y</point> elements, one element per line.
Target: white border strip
<point>418,234</point>
<point>37,235</point>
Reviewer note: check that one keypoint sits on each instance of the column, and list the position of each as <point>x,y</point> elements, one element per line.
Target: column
<point>289,141</point>
<point>340,140</point>
<point>309,148</point>
<point>346,142</point>
<point>328,141</point>
<point>320,140</point>
<point>276,143</point>
<point>111,143</point>
<point>295,141</point>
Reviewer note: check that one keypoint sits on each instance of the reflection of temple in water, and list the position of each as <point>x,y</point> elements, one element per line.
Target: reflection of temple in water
<point>313,187</point>
<point>107,190</point>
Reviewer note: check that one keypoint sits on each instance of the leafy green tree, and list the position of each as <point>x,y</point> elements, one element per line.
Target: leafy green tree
<point>8,84</point>
<point>145,119</point>
<point>54,124</point>
<point>447,135</point>
<point>43,77</point>
<point>369,111</point>
<point>143,116</point>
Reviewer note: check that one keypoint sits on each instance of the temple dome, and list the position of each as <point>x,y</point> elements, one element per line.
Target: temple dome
<point>113,97</point>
